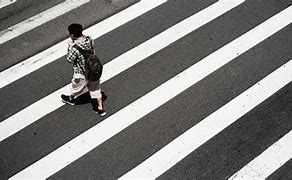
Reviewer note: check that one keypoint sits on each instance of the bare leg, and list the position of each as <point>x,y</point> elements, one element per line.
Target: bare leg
<point>99,102</point>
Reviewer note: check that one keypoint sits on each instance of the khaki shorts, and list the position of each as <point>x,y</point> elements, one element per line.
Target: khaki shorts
<point>81,85</point>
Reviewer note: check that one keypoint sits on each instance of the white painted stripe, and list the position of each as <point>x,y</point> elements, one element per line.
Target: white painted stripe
<point>50,103</point>
<point>57,51</point>
<point>4,3</point>
<point>96,135</point>
<point>39,19</point>
<point>189,141</point>
<point>269,161</point>
<point>180,147</point>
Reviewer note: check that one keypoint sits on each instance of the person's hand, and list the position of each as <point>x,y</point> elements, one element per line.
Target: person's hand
<point>70,42</point>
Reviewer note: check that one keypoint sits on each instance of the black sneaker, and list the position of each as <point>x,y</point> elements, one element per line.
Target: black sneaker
<point>100,112</point>
<point>67,100</point>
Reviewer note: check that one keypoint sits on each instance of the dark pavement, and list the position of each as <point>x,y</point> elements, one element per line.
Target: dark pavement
<point>219,158</point>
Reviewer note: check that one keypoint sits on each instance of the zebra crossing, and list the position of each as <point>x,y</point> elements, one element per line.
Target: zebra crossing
<point>57,51</point>
<point>39,19</point>
<point>89,144</point>
<point>115,67</point>
<point>4,3</point>
<point>268,162</point>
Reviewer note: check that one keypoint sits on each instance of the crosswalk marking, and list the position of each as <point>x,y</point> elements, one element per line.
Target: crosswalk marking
<point>267,162</point>
<point>57,51</point>
<point>4,3</point>
<point>259,168</point>
<point>101,132</point>
<point>51,102</point>
<point>39,19</point>
<point>186,143</point>
<point>144,105</point>
<point>182,146</point>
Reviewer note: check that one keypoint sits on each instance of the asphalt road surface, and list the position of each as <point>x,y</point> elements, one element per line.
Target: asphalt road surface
<point>195,89</point>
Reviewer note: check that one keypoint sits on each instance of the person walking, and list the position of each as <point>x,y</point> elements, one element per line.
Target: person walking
<point>79,82</point>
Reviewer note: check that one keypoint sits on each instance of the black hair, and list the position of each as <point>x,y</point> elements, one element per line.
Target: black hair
<point>75,30</point>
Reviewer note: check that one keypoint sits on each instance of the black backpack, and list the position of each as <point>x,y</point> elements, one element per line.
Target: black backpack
<point>93,66</point>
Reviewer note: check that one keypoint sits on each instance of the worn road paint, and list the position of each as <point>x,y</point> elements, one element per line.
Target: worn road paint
<point>268,161</point>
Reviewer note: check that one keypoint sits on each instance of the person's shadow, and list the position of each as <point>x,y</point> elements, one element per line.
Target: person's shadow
<point>85,98</point>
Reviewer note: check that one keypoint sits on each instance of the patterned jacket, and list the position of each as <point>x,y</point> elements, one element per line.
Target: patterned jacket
<point>75,57</point>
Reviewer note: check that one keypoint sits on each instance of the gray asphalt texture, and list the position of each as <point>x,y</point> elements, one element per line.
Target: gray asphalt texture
<point>219,158</point>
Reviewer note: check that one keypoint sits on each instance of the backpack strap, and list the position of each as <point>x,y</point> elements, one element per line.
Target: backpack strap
<point>91,43</point>
<point>85,53</point>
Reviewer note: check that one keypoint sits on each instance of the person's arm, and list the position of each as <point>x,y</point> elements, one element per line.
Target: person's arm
<point>71,55</point>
